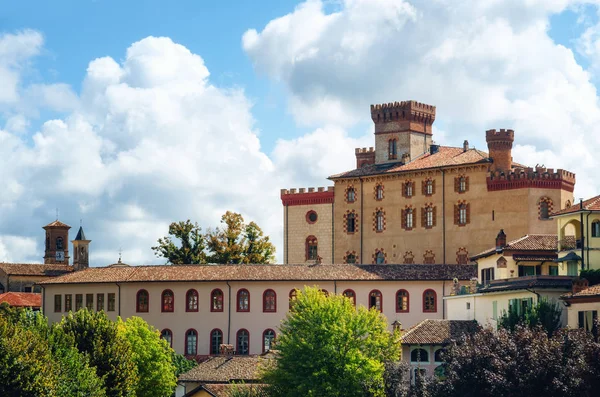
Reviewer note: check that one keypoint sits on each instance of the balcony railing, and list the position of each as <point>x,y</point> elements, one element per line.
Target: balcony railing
<point>569,243</point>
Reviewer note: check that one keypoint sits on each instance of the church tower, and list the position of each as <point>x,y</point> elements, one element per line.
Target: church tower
<point>81,246</point>
<point>57,243</point>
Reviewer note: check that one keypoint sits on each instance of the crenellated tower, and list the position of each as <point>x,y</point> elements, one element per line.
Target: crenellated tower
<point>402,130</point>
<point>500,144</point>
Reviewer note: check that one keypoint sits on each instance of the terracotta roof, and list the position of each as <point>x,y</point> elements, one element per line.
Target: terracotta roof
<point>534,258</point>
<point>226,389</point>
<point>446,156</point>
<point>227,369</point>
<point>530,242</point>
<point>57,223</point>
<point>35,269</point>
<point>528,282</point>
<point>594,290</point>
<point>592,204</point>
<point>265,272</point>
<point>22,299</point>
<point>439,332</point>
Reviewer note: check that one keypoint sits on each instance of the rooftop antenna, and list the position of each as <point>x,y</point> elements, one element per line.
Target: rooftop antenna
<point>120,252</point>
<point>56,213</point>
<point>80,222</point>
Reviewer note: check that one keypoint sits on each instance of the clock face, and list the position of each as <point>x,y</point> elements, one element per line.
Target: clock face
<point>60,255</point>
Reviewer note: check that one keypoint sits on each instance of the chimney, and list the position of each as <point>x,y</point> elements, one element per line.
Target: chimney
<point>500,240</point>
<point>465,145</point>
<point>579,284</point>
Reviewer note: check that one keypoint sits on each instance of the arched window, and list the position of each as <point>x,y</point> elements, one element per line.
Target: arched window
<point>596,228</point>
<point>379,222</point>
<point>191,301</point>
<point>380,258</point>
<point>216,300</point>
<point>243,342</point>
<point>429,301</point>
<point>142,301</point>
<point>350,294</point>
<point>437,356</point>
<point>311,248</point>
<point>392,149</point>
<point>409,258</point>
<point>216,338</point>
<point>168,301</point>
<point>350,259</point>
<point>269,301</point>
<point>419,355</point>
<point>544,208</point>
<point>167,335</point>
<point>243,300</point>
<point>191,342</point>
<point>268,337</point>
<point>376,300</point>
<point>59,243</point>
<point>293,296</point>
<point>379,192</point>
<point>402,301</point>
<point>350,195</point>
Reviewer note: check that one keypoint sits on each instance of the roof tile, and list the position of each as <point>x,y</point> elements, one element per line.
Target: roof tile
<point>226,369</point>
<point>21,299</point>
<point>592,204</point>
<point>35,269</point>
<point>439,332</point>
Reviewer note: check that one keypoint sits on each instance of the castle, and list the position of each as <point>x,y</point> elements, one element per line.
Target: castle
<point>412,201</point>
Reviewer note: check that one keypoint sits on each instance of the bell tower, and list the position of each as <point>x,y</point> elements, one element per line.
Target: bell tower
<point>81,246</point>
<point>57,243</point>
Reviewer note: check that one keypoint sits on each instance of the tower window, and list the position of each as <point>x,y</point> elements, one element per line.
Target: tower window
<point>545,208</point>
<point>59,243</point>
<point>311,248</point>
<point>392,149</point>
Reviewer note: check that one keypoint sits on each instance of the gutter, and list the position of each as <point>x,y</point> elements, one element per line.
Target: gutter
<point>228,312</point>
<point>333,231</point>
<point>43,298</point>
<point>362,219</point>
<point>119,295</point>
<point>582,237</point>
<point>444,215</point>
<point>533,292</point>
<point>587,233</point>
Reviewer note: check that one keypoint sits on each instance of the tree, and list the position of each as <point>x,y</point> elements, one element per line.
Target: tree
<point>326,347</point>
<point>521,363</point>
<point>108,350</point>
<point>544,313</point>
<point>192,244</point>
<point>152,356</point>
<point>182,364</point>
<point>238,243</point>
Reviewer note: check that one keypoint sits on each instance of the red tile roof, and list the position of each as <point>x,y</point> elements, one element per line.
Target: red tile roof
<point>530,242</point>
<point>594,290</point>
<point>439,332</point>
<point>226,369</point>
<point>445,157</point>
<point>57,223</point>
<point>22,299</point>
<point>265,272</point>
<point>34,269</point>
<point>592,204</point>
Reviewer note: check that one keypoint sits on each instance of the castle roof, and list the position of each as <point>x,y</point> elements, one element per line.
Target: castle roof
<point>21,299</point>
<point>446,156</point>
<point>592,204</point>
<point>529,242</point>
<point>34,269</point>
<point>187,273</point>
<point>57,223</point>
<point>80,234</point>
<point>439,332</point>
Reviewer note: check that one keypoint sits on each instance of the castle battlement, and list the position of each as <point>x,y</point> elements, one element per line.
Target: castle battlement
<point>405,110</point>
<point>499,135</point>
<point>306,196</point>
<point>538,177</point>
<point>359,150</point>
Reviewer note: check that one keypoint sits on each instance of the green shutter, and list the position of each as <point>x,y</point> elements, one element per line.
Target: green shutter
<point>495,310</point>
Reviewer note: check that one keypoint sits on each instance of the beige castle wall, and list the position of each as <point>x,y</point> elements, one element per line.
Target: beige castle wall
<point>255,321</point>
<point>414,144</point>
<point>298,229</point>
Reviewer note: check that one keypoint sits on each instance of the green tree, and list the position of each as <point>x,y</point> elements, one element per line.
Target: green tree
<point>108,350</point>
<point>544,313</point>
<point>191,244</point>
<point>237,242</point>
<point>152,356</point>
<point>326,347</point>
<point>182,364</point>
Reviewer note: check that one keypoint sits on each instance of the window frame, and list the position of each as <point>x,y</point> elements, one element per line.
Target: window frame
<point>312,247</point>
<point>407,296</point>
<point>267,309</point>
<point>379,192</point>
<point>109,307</point>
<point>211,346</point>
<point>89,303</point>
<point>392,149</point>
<point>428,217</point>
<point>163,307</point>
<point>596,228</point>
<point>99,302</point>
<point>419,361</point>
<point>379,221</point>
<point>429,187</point>
<point>213,308</point>
<point>68,303</point>
<point>293,295</point>
<point>379,254</point>
<point>351,220</point>
<point>271,341</point>
<point>138,308</point>
<point>57,303</point>
<point>425,293</point>
<point>189,309</point>
<point>353,295</point>
<point>162,336</point>
<point>346,259</point>
<point>380,295</point>
<point>237,342</point>
<point>350,194</point>
<point>238,308</point>
<point>185,349</point>
<point>409,221</point>
<point>78,302</point>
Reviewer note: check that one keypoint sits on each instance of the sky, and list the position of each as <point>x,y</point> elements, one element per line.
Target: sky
<point>129,115</point>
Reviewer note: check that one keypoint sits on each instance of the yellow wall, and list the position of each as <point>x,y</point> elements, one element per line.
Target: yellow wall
<point>512,269</point>
<point>570,225</point>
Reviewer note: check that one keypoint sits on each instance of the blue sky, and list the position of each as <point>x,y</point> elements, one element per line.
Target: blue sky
<point>133,114</point>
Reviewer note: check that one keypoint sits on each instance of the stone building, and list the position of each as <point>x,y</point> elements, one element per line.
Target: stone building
<point>412,201</point>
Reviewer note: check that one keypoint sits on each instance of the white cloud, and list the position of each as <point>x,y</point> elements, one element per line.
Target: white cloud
<point>12,249</point>
<point>15,51</point>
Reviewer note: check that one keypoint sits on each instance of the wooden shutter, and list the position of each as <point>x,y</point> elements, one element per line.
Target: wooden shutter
<point>434,217</point>
<point>457,184</point>
<point>424,188</point>
<point>466,183</point>
<point>433,186</point>
<point>456,214</point>
<point>468,210</point>
<point>423,216</point>
<point>403,220</point>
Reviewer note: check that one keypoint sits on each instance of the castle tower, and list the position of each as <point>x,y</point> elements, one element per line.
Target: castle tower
<point>500,148</point>
<point>402,130</point>
<point>81,254</point>
<point>57,243</point>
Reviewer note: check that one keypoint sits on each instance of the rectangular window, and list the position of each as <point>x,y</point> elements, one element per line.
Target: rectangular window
<point>57,303</point>
<point>89,301</point>
<point>409,219</point>
<point>596,229</point>
<point>68,302</point>
<point>100,302</point>
<point>527,271</point>
<point>350,223</point>
<point>495,310</point>
<point>572,268</point>
<point>487,275</point>
<point>553,270</point>
<point>111,302</point>
<point>462,215</point>
<point>587,320</point>
<point>429,217</point>
<point>78,301</point>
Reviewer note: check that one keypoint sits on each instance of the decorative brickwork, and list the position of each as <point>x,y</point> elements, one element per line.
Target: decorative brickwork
<point>428,187</point>
<point>364,156</point>
<point>379,192</point>
<point>308,196</point>
<point>523,178</point>
<point>461,184</point>
<point>392,149</point>
<point>311,217</point>
<point>462,256</point>
<point>351,222</point>
<point>379,257</point>
<point>462,213</point>
<point>379,220</point>
<point>409,258</point>
<point>350,194</point>
<point>545,208</point>
<point>501,263</point>
<point>408,215</point>
<point>407,115</point>
<point>408,189</point>
<point>350,257</point>
<point>428,216</point>
<point>429,257</point>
